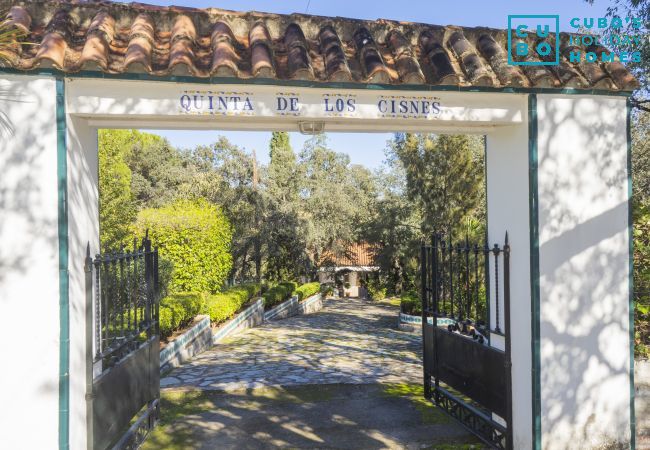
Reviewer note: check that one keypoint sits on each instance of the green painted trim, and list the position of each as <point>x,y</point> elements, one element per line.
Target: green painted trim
<point>64,288</point>
<point>312,84</point>
<point>534,270</point>
<point>630,236</point>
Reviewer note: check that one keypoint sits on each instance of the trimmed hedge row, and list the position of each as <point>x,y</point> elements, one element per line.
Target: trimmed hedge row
<point>278,293</point>
<point>178,310</point>
<point>410,303</point>
<point>307,290</point>
<point>223,306</point>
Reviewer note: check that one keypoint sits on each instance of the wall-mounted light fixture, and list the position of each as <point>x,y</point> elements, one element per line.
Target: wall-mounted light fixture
<point>311,128</point>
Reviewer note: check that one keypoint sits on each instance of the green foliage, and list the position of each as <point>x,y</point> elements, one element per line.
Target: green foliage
<point>410,303</point>
<point>336,196</point>
<point>195,236</point>
<point>117,208</point>
<point>641,217</point>
<point>307,290</point>
<point>161,173</point>
<point>444,177</point>
<point>165,273</point>
<point>224,175</point>
<point>639,9</point>
<point>224,305</point>
<point>278,293</point>
<point>376,290</point>
<point>327,289</point>
<point>177,310</point>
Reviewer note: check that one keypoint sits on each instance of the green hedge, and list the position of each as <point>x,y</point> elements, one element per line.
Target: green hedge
<point>224,305</point>
<point>177,310</point>
<point>196,237</point>
<point>307,290</point>
<point>279,293</point>
<point>410,303</point>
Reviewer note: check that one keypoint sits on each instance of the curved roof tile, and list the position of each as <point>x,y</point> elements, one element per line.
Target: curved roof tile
<point>135,37</point>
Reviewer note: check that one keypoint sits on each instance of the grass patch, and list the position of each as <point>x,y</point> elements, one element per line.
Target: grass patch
<point>391,301</point>
<point>171,433</point>
<point>173,406</point>
<point>415,393</point>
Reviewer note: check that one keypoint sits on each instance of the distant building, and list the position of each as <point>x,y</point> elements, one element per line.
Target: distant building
<point>349,268</point>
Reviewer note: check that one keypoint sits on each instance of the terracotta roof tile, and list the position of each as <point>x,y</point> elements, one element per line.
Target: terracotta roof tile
<point>355,254</point>
<point>135,37</point>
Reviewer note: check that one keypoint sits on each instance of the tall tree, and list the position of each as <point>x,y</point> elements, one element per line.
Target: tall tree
<point>444,177</point>
<point>330,198</point>
<point>283,173</point>
<point>284,228</point>
<point>225,177</point>
<point>637,32</point>
<point>117,207</point>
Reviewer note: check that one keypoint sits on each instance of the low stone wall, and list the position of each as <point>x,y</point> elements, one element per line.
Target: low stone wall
<point>201,337</point>
<point>642,400</point>
<point>311,304</point>
<point>248,318</point>
<point>285,309</point>
<point>293,307</point>
<point>194,341</point>
<point>407,322</point>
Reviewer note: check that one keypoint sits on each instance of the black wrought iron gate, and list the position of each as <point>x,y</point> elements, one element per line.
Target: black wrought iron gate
<point>122,341</point>
<point>465,373</point>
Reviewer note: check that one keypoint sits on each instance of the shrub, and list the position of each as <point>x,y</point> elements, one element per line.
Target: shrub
<point>223,306</point>
<point>165,272</point>
<point>410,303</point>
<point>307,290</point>
<point>177,310</point>
<point>195,236</point>
<point>376,291</point>
<point>327,289</point>
<point>279,293</point>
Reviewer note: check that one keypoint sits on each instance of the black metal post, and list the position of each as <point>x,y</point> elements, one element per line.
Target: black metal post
<point>451,276</point>
<point>434,280</point>
<point>496,251</point>
<point>423,277</point>
<point>508,359</point>
<point>468,296</point>
<point>89,347</point>
<point>440,277</point>
<point>486,270</point>
<point>148,276</point>
<point>476,289</point>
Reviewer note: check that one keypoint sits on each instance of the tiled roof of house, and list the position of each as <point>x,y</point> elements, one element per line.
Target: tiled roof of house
<point>354,255</point>
<point>117,38</point>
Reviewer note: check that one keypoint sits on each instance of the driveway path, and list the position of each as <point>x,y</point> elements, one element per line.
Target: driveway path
<point>341,378</point>
<point>349,341</point>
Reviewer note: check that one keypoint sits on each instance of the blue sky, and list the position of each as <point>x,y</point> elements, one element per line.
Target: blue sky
<point>367,149</point>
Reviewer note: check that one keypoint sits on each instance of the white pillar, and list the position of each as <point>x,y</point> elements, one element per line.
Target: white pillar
<point>29,263</point>
<point>83,217</point>
<point>583,271</point>
<point>508,210</point>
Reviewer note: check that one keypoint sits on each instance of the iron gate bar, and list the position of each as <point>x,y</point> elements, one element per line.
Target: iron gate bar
<point>458,355</point>
<point>122,346</point>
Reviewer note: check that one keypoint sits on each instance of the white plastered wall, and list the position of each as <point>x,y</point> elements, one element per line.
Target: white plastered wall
<point>582,218</point>
<point>29,262</point>
<point>584,272</point>
<point>83,228</point>
<point>508,201</point>
<point>126,104</point>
